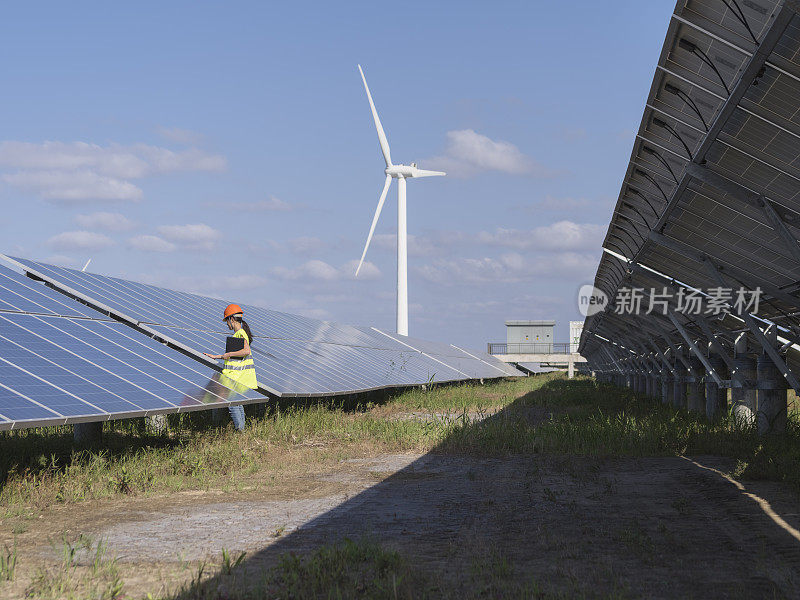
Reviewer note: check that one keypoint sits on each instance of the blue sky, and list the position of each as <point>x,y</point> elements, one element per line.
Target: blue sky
<point>228,149</point>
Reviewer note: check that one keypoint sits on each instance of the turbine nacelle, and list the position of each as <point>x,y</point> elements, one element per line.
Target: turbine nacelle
<point>410,171</point>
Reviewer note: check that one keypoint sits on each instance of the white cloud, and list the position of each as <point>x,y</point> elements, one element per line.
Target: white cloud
<point>64,261</point>
<point>106,221</point>
<point>318,270</point>
<point>313,269</point>
<point>73,185</point>
<point>368,270</point>
<point>306,245</point>
<point>240,282</point>
<point>212,284</point>
<point>563,235</point>
<point>78,171</point>
<point>508,268</point>
<point>114,160</point>
<point>301,307</point>
<point>80,240</point>
<point>193,236</point>
<point>151,243</point>
<point>469,153</point>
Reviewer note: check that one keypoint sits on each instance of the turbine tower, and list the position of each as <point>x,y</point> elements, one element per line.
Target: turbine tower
<point>399,172</point>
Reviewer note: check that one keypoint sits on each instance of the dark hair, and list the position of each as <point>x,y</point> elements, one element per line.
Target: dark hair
<point>246,328</point>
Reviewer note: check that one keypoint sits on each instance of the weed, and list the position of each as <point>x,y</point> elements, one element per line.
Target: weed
<point>8,562</point>
<point>279,531</point>
<point>229,564</point>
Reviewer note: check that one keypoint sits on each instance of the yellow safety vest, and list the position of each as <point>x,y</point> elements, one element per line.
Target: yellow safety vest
<point>240,373</point>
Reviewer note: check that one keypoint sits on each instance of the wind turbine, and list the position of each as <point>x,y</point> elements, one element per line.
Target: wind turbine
<point>399,172</point>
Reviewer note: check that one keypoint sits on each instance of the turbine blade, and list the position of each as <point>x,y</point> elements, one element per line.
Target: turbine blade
<point>424,173</point>
<point>381,135</point>
<point>375,220</point>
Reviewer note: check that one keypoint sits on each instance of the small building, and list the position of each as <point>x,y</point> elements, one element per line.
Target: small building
<point>529,332</point>
<point>575,330</point>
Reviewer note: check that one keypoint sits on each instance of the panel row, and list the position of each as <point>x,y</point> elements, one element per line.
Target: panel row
<point>54,369</point>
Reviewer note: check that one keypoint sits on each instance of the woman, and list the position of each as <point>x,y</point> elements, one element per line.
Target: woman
<point>238,373</point>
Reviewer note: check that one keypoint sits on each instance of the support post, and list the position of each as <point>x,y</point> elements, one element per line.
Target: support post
<point>666,384</point>
<point>716,395</point>
<point>679,383</point>
<point>696,399</point>
<point>772,398</point>
<point>157,424</point>
<point>743,394</point>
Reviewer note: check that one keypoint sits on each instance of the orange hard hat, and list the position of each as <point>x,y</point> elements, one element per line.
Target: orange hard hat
<point>230,310</point>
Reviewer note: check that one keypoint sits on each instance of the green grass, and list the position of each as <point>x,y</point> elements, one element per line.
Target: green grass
<point>99,580</point>
<point>360,568</point>
<point>8,562</point>
<point>39,468</point>
<point>600,420</point>
<point>546,414</point>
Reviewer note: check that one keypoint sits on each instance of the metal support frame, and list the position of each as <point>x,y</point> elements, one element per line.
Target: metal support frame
<point>653,365</point>
<point>696,170</point>
<point>745,277</point>
<point>676,353</point>
<point>661,355</point>
<point>770,349</point>
<point>703,323</point>
<point>695,350</point>
<point>611,356</point>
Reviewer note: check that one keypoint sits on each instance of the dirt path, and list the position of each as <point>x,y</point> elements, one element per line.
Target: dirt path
<point>649,528</point>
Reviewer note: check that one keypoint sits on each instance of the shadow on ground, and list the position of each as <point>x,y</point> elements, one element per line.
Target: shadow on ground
<point>484,515</point>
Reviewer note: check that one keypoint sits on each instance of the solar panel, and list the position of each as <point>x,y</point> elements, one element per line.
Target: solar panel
<point>468,364</point>
<point>718,157</point>
<point>20,294</point>
<point>294,356</point>
<point>55,370</point>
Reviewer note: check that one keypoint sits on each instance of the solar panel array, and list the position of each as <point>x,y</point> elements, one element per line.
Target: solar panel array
<point>61,362</point>
<point>711,195</point>
<point>294,356</point>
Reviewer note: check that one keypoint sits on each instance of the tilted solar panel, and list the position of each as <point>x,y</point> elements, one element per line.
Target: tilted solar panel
<point>295,355</point>
<point>20,294</point>
<point>300,368</point>
<point>717,159</point>
<point>470,364</point>
<point>55,370</point>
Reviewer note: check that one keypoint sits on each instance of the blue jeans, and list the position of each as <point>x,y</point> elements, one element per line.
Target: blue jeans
<point>237,416</point>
